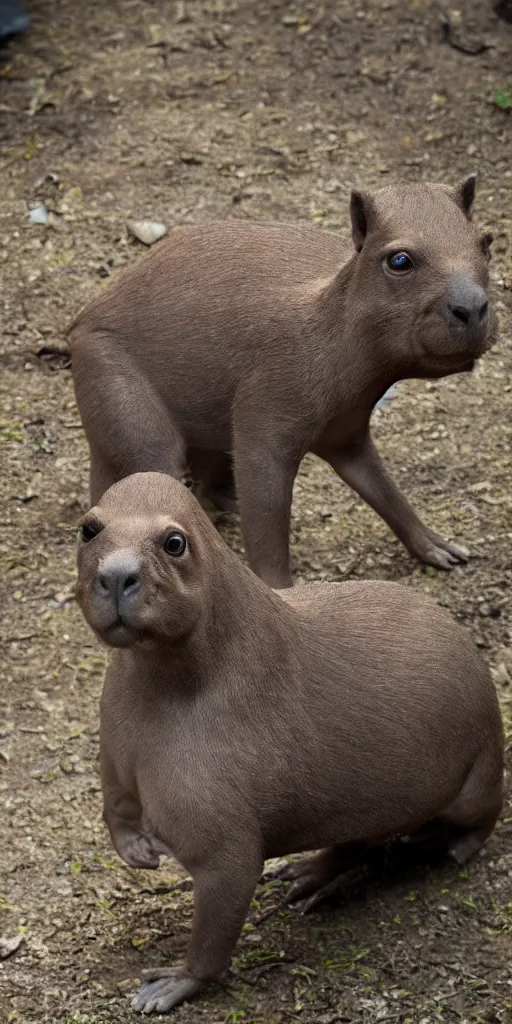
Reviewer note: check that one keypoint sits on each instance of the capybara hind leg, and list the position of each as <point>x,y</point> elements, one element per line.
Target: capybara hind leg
<point>128,427</point>
<point>215,475</point>
<point>320,878</point>
<point>223,490</point>
<point>465,846</point>
<point>474,812</point>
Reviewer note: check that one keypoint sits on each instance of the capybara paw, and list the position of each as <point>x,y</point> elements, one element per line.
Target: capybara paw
<point>164,988</point>
<point>465,847</point>
<point>442,554</point>
<point>303,886</point>
<point>333,890</point>
<point>309,888</point>
<point>302,876</point>
<point>139,851</point>
<point>287,872</point>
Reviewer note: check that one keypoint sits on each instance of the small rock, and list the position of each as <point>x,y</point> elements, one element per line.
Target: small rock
<point>9,946</point>
<point>147,231</point>
<point>128,985</point>
<point>39,215</point>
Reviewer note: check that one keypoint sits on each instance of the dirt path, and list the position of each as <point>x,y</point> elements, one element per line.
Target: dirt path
<point>179,112</point>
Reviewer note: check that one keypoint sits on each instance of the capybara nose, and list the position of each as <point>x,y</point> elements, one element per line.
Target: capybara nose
<point>118,577</point>
<point>467,306</point>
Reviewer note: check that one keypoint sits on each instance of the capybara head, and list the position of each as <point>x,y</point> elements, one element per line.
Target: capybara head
<point>142,562</point>
<point>421,276</point>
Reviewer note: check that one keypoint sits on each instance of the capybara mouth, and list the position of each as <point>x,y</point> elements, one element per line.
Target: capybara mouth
<point>120,634</point>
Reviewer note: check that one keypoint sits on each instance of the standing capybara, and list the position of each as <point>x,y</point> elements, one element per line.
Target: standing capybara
<point>238,724</point>
<point>247,345</point>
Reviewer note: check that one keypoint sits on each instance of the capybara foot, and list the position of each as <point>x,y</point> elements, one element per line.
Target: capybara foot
<point>165,988</point>
<point>467,845</point>
<point>432,549</point>
<point>329,893</point>
<point>318,879</point>
<point>136,849</point>
<point>286,872</point>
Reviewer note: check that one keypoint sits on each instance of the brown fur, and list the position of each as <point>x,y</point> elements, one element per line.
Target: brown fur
<point>239,724</point>
<point>249,344</point>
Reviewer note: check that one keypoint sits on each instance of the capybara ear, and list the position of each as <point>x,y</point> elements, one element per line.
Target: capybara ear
<point>465,194</point>
<point>362,216</point>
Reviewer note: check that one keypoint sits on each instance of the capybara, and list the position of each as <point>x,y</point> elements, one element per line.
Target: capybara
<point>239,724</point>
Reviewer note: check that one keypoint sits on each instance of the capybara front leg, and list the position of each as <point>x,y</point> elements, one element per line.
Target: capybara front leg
<point>122,814</point>
<point>137,847</point>
<point>360,466</point>
<point>222,898</point>
<point>264,484</point>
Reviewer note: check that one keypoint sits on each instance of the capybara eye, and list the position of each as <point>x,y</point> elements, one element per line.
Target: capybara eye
<point>90,531</point>
<point>399,262</point>
<point>175,544</point>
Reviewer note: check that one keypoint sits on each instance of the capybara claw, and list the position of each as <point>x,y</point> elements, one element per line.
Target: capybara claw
<point>333,890</point>
<point>303,886</point>
<point>440,553</point>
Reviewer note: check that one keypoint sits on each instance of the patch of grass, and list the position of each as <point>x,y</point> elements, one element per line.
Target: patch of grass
<point>5,905</point>
<point>503,99</point>
<point>12,431</point>
<point>350,961</point>
<point>264,954</point>
<point>74,1018</point>
<point>110,865</point>
<point>104,907</point>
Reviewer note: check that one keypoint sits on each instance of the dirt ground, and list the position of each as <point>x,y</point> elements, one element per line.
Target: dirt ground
<point>178,112</point>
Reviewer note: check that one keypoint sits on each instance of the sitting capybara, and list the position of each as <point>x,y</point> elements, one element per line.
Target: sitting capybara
<point>247,345</point>
<point>238,724</point>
